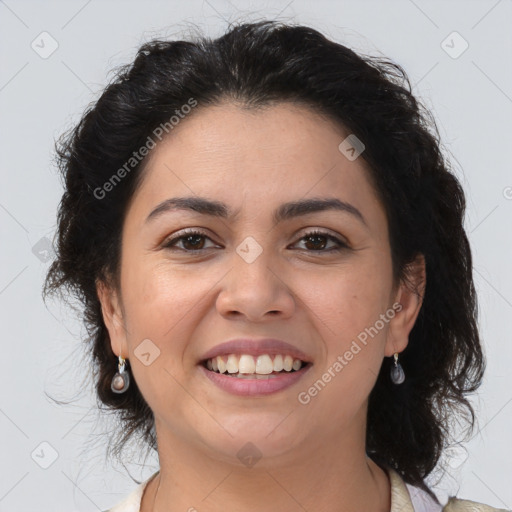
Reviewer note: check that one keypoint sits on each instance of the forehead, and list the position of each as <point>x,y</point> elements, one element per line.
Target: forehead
<point>229,134</point>
<point>254,157</point>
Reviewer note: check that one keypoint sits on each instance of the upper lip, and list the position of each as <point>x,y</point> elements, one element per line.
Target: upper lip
<point>256,347</point>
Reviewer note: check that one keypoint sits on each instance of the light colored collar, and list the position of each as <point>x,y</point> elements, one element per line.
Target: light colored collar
<point>400,498</point>
<point>410,498</point>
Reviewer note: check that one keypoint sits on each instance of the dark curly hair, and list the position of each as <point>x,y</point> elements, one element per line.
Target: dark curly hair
<point>257,64</point>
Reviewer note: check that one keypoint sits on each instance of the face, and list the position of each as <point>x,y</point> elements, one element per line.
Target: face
<point>247,275</point>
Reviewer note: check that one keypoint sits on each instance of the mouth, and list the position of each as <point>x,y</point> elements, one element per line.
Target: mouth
<point>245,374</point>
<point>246,366</point>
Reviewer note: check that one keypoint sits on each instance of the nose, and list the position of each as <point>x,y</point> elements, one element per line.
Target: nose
<point>256,290</point>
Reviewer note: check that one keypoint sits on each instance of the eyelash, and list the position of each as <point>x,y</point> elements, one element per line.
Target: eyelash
<point>315,232</point>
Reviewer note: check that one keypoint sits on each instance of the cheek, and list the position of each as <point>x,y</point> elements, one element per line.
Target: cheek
<point>159,305</point>
<point>165,303</point>
<point>350,300</point>
<point>159,296</point>
<point>348,316</point>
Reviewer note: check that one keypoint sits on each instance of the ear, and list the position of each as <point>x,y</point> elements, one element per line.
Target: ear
<point>113,318</point>
<point>410,295</point>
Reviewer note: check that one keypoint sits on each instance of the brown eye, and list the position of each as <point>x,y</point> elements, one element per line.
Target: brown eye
<point>191,241</point>
<point>318,240</point>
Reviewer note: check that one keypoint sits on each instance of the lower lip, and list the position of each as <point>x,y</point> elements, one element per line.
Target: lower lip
<point>254,387</point>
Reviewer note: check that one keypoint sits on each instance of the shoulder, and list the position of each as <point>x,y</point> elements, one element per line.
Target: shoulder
<point>458,505</point>
<point>410,498</point>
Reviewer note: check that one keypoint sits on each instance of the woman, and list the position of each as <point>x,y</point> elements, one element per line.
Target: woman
<point>270,251</point>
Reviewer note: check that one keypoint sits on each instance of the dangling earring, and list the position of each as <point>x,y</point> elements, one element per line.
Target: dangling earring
<point>397,372</point>
<point>121,380</point>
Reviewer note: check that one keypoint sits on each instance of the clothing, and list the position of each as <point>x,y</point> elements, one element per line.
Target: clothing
<point>404,498</point>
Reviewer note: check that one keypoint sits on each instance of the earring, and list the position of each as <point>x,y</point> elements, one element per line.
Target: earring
<point>121,380</point>
<point>397,372</point>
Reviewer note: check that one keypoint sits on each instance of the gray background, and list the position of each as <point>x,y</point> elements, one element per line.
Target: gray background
<point>470,95</point>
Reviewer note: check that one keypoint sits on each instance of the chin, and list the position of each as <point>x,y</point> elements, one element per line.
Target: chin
<point>254,444</point>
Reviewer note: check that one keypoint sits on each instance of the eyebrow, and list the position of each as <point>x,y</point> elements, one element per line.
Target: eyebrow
<point>286,211</point>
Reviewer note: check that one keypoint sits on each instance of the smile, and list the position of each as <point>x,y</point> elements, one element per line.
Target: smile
<point>247,375</point>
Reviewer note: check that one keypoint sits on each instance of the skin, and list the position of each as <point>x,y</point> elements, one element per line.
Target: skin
<point>313,456</point>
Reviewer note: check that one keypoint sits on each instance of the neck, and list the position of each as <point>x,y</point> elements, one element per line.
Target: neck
<point>337,476</point>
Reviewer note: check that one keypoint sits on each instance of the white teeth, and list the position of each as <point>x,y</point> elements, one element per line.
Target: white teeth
<point>288,363</point>
<point>278,363</point>
<point>232,364</point>
<point>247,365</point>
<point>264,365</point>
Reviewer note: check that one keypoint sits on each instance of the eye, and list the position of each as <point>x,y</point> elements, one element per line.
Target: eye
<point>317,240</point>
<point>192,240</point>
